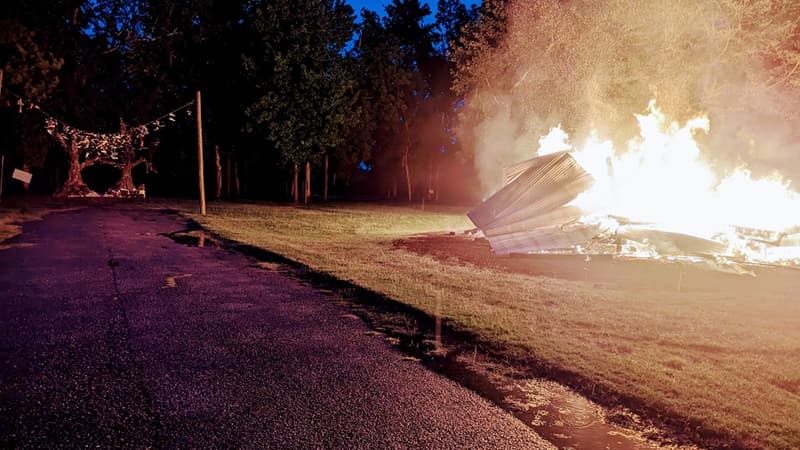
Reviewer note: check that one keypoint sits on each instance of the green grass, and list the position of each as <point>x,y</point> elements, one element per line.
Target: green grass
<point>726,363</point>
<point>729,363</point>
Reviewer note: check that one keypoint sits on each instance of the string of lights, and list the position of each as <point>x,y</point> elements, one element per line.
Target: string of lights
<point>22,102</point>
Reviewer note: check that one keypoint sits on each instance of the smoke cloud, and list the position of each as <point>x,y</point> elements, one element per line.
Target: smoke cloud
<point>592,64</point>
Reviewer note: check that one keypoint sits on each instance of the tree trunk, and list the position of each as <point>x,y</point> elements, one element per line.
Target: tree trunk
<point>228,176</point>
<point>218,165</point>
<point>236,185</point>
<point>407,171</point>
<point>393,195</point>
<point>125,182</point>
<point>437,185</point>
<point>307,194</point>
<point>406,165</point>
<point>295,191</point>
<point>429,190</point>
<point>325,186</point>
<point>75,186</point>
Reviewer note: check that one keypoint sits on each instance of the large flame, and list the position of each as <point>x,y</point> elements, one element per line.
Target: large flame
<point>662,180</point>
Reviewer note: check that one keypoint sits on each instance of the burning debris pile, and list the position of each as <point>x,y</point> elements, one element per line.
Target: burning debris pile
<point>656,200</point>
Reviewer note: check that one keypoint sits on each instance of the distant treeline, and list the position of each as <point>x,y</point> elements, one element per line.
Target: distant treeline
<point>361,101</point>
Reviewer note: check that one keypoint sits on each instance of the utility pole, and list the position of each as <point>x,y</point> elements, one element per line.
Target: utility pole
<point>201,179</point>
<point>3,156</point>
<point>2,169</point>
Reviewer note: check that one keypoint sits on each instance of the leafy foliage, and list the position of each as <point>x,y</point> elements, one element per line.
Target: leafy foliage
<point>302,83</point>
<point>283,82</point>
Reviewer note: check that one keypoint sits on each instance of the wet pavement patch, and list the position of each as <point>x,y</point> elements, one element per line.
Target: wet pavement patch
<point>530,392</point>
<point>194,238</point>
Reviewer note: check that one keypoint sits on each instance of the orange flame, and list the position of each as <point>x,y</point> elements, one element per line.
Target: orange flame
<point>661,179</point>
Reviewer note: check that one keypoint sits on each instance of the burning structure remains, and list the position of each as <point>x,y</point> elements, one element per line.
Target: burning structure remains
<point>657,199</point>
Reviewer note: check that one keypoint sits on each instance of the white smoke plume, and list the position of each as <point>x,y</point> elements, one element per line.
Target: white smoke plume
<point>593,64</point>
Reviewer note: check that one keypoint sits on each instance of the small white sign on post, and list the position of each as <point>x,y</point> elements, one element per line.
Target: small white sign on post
<point>21,175</point>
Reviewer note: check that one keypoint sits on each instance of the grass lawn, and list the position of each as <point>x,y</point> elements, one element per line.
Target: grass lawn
<point>727,363</point>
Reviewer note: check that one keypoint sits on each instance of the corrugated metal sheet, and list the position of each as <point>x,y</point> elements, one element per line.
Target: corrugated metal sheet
<point>670,243</point>
<point>551,238</point>
<point>511,173</point>
<point>530,214</point>
<point>565,214</point>
<point>549,183</point>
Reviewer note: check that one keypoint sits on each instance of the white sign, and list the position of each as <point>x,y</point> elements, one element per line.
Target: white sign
<point>21,175</point>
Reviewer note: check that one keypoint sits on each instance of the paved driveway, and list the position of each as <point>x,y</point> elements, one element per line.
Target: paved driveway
<point>112,336</point>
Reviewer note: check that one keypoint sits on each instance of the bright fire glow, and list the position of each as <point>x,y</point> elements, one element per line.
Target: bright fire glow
<point>661,179</point>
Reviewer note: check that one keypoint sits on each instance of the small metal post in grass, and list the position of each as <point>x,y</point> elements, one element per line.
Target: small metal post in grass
<point>201,179</point>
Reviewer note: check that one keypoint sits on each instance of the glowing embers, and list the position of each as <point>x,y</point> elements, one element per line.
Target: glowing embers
<point>656,199</point>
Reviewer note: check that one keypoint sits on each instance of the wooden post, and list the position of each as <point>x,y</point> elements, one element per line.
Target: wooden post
<point>228,176</point>
<point>2,166</point>
<point>201,179</point>
<point>325,187</point>
<point>3,156</point>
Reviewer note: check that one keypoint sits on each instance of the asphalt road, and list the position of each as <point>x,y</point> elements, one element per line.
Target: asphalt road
<point>113,336</point>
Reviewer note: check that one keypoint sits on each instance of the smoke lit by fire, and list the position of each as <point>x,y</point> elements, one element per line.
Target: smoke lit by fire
<point>591,65</point>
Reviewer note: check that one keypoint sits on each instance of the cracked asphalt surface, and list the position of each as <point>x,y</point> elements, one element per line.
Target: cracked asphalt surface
<point>113,336</point>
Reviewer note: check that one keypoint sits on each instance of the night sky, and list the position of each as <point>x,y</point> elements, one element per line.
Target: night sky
<point>378,5</point>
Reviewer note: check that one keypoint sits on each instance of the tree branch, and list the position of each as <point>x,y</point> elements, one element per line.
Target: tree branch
<point>144,161</point>
<point>91,162</point>
<point>788,75</point>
